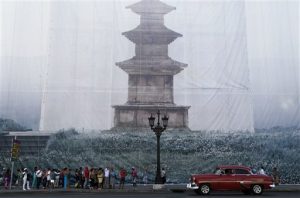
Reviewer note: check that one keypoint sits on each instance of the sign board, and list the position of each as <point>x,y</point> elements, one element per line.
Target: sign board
<point>15,151</point>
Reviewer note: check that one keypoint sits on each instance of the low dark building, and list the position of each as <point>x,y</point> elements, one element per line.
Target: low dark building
<point>32,142</point>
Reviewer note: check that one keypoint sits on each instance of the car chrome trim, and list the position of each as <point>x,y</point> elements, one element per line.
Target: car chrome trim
<point>192,186</point>
<point>272,185</point>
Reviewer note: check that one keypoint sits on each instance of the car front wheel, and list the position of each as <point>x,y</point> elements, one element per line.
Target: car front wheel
<point>204,189</point>
<point>257,189</point>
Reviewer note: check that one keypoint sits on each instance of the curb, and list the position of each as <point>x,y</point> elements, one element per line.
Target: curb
<point>167,188</point>
<point>79,192</point>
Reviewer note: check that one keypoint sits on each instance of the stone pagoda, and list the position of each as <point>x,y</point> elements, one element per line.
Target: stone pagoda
<point>151,71</point>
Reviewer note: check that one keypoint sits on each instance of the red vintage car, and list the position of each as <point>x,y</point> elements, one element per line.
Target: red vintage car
<point>233,178</point>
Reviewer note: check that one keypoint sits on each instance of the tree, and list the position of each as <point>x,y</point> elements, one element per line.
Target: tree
<point>11,125</point>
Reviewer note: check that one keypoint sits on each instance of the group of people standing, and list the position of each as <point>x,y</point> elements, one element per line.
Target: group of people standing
<point>43,178</point>
<point>38,178</point>
<point>85,178</point>
<point>99,178</point>
<point>22,178</point>
<point>95,178</point>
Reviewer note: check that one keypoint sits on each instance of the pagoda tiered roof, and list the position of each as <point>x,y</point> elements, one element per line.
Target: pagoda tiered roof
<point>151,7</point>
<point>152,66</point>
<point>151,34</point>
<point>152,38</point>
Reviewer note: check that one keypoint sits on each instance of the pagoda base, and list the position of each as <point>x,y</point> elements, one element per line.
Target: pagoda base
<point>136,116</point>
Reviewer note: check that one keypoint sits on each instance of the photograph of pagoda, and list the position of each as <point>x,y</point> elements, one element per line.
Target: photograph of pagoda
<point>151,70</point>
<point>161,87</point>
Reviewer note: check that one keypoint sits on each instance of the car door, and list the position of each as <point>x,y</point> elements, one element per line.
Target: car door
<point>227,181</point>
<point>216,179</point>
<point>242,178</point>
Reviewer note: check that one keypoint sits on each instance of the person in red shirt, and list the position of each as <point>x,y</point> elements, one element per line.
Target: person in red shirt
<point>134,177</point>
<point>122,175</point>
<point>86,177</point>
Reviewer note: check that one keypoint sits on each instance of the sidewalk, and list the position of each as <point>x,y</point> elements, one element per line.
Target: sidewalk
<point>140,189</point>
<point>287,188</point>
<point>127,188</point>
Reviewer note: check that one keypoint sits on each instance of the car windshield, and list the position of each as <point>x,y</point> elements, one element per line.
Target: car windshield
<point>241,172</point>
<point>218,171</point>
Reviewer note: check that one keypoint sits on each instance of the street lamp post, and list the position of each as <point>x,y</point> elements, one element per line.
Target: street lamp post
<point>158,129</point>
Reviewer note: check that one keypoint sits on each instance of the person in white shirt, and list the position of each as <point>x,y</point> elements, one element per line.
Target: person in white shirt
<point>261,171</point>
<point>106,178</point>
<point>163,175</point>
<point>56,181</point>
<point>25,179</point>
<point>48,177</point>
<point>39,175</point>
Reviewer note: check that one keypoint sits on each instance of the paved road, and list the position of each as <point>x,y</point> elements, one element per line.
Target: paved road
<point>141,195</point>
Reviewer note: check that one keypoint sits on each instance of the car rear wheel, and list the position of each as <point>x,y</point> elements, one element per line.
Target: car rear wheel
<point>257,189</point>
<point>204,189</point>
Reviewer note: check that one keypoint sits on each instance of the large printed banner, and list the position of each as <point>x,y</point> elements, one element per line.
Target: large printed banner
<point>58,62</point>
<point>225,73</point>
